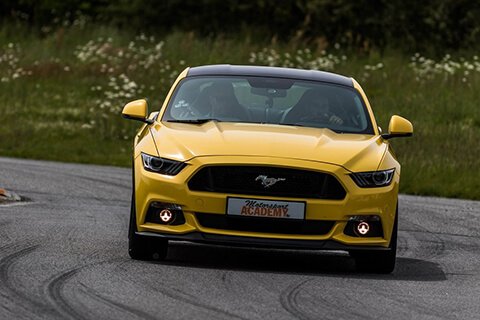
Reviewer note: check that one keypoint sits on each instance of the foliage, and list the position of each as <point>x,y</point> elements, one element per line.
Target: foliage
<point>433,25</point>
<point>303,59</point>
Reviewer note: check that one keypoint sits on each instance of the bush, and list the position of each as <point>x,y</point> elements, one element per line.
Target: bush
<point>432,26</point>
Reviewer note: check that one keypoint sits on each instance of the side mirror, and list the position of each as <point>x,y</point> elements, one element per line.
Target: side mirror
<point>398,127</point>
<point>137,110</point>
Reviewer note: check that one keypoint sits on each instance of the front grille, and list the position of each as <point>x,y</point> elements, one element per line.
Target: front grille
<point>245,180</point>
<point>265,225</point>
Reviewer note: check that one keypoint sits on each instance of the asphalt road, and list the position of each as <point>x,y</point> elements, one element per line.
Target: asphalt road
<point>63,255</point>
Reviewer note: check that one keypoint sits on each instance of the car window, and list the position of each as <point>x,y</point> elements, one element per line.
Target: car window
<point>269,100</point>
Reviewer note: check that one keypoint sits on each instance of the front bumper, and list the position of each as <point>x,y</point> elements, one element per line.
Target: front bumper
<point>151,187</point>
<point>256,242</point>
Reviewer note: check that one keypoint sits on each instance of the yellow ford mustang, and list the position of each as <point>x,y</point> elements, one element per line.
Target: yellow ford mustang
<point>265,157</point>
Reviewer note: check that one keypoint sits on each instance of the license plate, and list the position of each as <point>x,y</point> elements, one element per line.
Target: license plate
<point>265,208</point>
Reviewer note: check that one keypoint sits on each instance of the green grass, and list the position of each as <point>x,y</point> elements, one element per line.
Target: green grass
<point>52,112</point>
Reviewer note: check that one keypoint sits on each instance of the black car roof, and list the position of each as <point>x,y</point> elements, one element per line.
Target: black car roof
<point>276,72</point>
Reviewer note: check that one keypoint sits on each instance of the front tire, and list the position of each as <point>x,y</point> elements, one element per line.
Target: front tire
<point>372,261</point>
<point>143,247</point>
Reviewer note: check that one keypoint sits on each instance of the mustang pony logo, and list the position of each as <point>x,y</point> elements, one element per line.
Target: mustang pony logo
<point>268,182</point>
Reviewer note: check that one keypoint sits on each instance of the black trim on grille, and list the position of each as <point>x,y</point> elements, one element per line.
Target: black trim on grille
<point>265,225</point>
<point>245,180</point>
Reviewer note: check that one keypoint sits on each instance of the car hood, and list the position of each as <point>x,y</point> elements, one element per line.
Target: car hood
<point>181,141</point>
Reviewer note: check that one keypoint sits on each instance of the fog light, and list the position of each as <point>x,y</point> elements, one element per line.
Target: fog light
<point>165,213</point>
<point>364,226</point>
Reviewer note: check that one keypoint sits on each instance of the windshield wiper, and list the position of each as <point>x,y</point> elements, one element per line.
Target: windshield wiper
<point>291,124</point>
<point>194,121</point>
<point>334,130</point>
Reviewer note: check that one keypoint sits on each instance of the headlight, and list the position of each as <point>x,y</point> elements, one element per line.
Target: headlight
<point>373,179</point>
<point>162,165</point>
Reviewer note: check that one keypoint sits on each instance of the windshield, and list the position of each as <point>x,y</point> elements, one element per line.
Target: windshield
<point>268,100</point>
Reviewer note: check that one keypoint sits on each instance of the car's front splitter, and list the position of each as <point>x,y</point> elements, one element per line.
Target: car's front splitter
<point>259,242</point>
